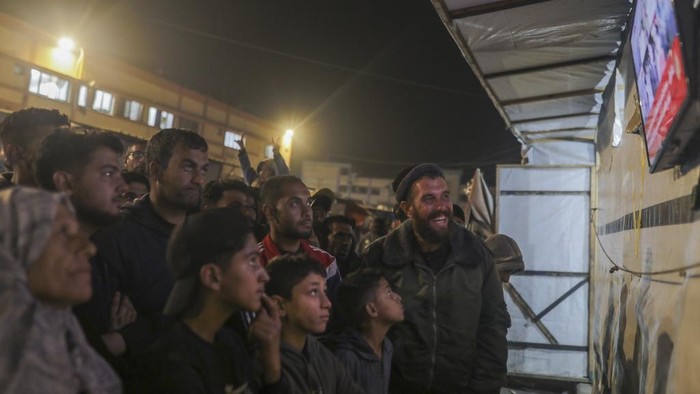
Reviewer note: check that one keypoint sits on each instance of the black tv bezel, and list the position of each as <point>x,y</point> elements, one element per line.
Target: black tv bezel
<point>677,149</point>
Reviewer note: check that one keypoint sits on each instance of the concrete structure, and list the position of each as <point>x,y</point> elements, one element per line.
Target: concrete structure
<point>375,192</point>
<point>104,93</point>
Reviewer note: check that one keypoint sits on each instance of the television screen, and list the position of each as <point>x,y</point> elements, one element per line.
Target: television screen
<point>662,83</point>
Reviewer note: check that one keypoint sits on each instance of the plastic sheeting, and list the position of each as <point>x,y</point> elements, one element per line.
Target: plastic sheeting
<point>544,33</point>
<point>546,211</point>
<point>552,81</point>
<point>585,121</point>
<point>562,153</point>
<point>555,107</point>
<point>541,60</point>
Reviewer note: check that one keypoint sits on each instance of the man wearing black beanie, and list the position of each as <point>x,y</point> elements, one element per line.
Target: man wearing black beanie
<point>454,336</point>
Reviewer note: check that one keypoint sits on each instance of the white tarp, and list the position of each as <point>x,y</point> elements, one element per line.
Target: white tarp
<point>543,61</point>
<point>561,153</point>
<point>546,211</point>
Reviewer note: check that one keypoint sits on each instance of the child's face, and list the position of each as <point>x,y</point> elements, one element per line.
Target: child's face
<point>309,309</point>
<point>387,303</point>
<point>243,280</point>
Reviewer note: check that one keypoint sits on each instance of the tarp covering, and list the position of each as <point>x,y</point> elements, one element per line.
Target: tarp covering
<point>546,209</point>
<point>545,64</point>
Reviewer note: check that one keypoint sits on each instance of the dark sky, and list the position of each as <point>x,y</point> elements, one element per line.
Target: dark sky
<point>380,84</point>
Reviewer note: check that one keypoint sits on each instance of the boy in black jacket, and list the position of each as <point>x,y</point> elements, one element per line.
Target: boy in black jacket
<point>370,308</point>
<point>214,260</point>
<point>298,286</point>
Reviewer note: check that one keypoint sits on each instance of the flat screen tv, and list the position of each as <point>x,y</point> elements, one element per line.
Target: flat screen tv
<point>664,51</point>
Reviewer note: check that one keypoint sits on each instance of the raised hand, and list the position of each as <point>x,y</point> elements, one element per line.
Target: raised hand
<point>240,142</point>
<point>276,144</point>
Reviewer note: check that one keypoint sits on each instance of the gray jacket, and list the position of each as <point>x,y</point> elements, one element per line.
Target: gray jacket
<point>371,373</point>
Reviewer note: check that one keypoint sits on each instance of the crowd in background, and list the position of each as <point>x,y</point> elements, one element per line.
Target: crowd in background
<point>123,269</point>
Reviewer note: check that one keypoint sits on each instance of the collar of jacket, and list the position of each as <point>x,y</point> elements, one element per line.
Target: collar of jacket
<point>400,247</point>
<point>142,211</point>
<point>270,249</point>
<point>352,340</point>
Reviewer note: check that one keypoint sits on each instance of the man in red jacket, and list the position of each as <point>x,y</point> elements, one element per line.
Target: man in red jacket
<point>286,203</point>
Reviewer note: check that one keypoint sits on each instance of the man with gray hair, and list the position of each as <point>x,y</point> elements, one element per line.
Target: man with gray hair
<point>454,336</point>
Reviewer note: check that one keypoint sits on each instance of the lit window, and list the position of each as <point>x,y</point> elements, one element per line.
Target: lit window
<point>48,85</point>
<point>133,110</point>
<point>104,101</point>
<point>152,116</point>
<point>82,96</point>
<point>269,153</point>
<point>230,138</point>
<point>166,120</point>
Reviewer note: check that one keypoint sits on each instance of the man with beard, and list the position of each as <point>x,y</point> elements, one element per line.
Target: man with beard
<point>135,248</point>
<point>454,336</point>
<point>20,135</point>
<point>337,237</point>
<point>286,204</point>
<point>135,158</point>
<point>85,166</point>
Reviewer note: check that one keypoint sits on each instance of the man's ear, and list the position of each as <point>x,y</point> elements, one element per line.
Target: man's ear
<point>268,211</point>
<point>63,182</point>
<point>406,208</point>
<point>371,309</point>
<point>154,170</point>
<point>210,276</point>
<point>280,304</point>
<point>13,153</point>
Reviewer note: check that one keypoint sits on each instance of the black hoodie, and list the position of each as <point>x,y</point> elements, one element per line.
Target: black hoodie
<point>134,250</point>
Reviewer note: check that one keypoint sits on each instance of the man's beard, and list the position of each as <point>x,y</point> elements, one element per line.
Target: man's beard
<point>94,216</point>
<point>291,231</point>
<point>429,234</point>
<point>181,201</point>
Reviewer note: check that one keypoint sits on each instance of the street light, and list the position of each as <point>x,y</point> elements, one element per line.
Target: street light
<point>67,57</point>
<point>287,139</point>
<point>66,43</point>
<point>286,150</point>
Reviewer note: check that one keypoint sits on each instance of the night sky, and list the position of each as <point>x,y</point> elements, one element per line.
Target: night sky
<point>380,84</point>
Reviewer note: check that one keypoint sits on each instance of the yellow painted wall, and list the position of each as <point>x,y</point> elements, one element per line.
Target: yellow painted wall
<point>644,329</point>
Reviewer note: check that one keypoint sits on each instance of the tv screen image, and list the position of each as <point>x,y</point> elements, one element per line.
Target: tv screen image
<point>662,82</point>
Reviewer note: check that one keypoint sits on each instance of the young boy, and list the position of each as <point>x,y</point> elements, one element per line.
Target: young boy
<point>214,260</point>
<point>371,308</point>
<point>298,286</point>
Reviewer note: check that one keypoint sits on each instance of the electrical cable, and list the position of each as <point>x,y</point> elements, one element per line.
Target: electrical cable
<point>641,274</point>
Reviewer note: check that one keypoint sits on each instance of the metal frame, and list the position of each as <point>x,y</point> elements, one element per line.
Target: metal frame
<point>537,319</point>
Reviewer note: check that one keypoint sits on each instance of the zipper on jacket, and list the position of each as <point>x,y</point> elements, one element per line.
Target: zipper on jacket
<point>433,357</point>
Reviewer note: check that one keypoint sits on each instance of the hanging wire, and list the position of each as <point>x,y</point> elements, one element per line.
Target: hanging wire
<point>642,274</point>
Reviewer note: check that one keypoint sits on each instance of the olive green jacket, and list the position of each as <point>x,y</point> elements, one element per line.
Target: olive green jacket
<point>453,338</point>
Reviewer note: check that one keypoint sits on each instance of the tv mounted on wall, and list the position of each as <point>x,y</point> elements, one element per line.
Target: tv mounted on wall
<point>664,41</point>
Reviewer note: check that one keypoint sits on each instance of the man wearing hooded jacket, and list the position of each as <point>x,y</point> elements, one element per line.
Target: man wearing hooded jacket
<point>454,336</point>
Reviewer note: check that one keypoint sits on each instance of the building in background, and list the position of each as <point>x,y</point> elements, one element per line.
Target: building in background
<point>374,192</point>
<point>97,91</point>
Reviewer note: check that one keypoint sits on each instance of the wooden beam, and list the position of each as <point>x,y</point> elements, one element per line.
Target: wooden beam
<point>552,131</point>
<point>554,117</point>
<point>552,66</point>
<point>491,7</point>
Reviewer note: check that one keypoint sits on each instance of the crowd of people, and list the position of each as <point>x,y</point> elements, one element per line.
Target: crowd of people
<point>124,270</point>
